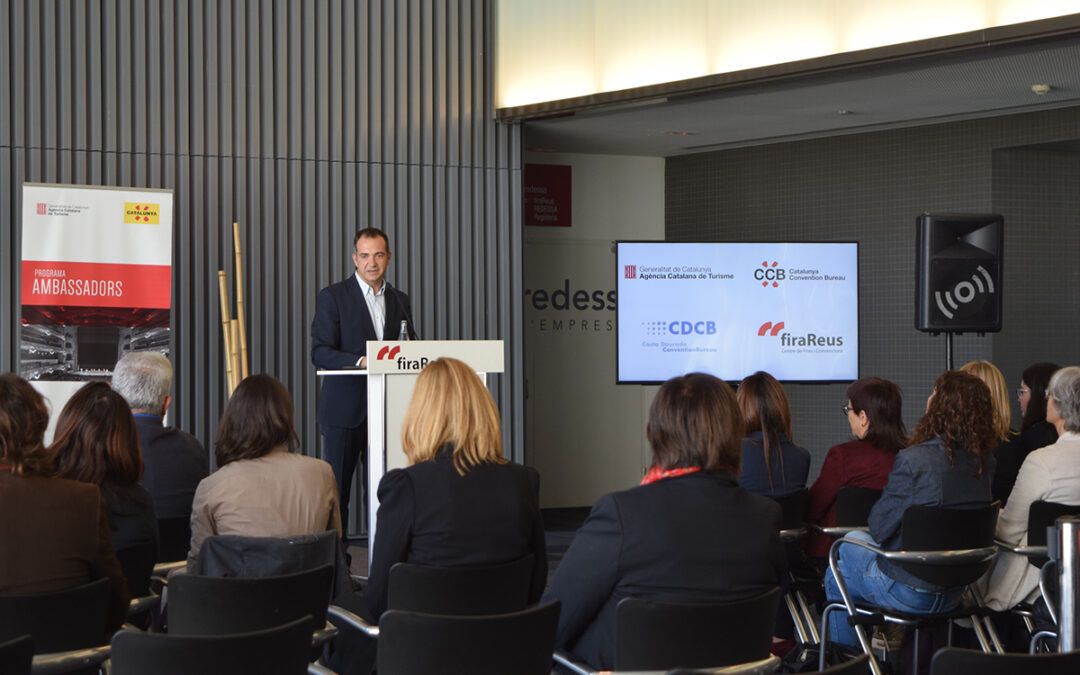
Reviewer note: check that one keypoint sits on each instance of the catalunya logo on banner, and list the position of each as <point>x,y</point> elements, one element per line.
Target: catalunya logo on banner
<point>87,284</point>
<point>142,214</point>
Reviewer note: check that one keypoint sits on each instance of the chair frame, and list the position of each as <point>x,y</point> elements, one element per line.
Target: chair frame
<point>766,666</point>
<point>971,556</point>
<point>579,668</point>
<point>398,573</point>
<point>1041,516</point>
<point>539,621</point>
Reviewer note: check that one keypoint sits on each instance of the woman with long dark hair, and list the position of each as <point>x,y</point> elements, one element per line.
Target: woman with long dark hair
<point>873,412</point>
<point>96,442</point>
<point>55,531</point>
<point>261,487</point>
<point>950,464</point>
<point>1035,431</point>
<point>772,465</point>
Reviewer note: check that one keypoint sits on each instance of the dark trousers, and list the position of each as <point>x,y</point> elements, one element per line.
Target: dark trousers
<point>344,449</point>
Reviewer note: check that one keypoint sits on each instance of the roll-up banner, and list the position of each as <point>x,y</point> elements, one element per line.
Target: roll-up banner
<point>96,279</point>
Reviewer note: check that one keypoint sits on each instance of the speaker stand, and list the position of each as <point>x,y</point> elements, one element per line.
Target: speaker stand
<point>948,351</point>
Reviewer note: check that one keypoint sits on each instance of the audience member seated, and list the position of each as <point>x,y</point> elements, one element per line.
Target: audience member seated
<point>96,442</point>
<point>261,487</point>
<point>1049,474</point>
<point>950,464</point>
<point>174,460</point>
<point>459,503</point>
<point>1007,437</point>
<point>873,411</point>
<point>1035,431</point>
<point>55,531</point>
<point>772,465</point>
<point>688,533</point>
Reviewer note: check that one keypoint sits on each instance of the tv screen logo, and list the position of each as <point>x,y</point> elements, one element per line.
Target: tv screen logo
<point>630,271</point>
<point>769,274</point>
<point>770,328</point>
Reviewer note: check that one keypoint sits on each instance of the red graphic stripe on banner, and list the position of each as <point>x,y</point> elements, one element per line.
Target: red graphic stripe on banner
<point>80,284</point>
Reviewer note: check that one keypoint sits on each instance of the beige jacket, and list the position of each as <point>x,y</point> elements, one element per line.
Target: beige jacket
<point>276,495</point>
<point>1051,474</point>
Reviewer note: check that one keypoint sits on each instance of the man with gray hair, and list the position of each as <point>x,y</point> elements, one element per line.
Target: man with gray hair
<point>175,461</point>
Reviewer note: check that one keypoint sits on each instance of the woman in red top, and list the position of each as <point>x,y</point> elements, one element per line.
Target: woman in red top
<point>873,411</point>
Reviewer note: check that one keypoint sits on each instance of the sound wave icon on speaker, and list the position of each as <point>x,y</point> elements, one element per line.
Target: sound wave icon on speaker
<point>964,292</point>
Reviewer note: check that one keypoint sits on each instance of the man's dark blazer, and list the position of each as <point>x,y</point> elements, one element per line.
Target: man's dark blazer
<point>429,514</point>
<point>175,463</point>
<point>339,334</point>
<point>693,538</point>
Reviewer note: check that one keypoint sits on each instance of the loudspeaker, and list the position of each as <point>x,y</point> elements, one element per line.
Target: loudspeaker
<point>958,273</point>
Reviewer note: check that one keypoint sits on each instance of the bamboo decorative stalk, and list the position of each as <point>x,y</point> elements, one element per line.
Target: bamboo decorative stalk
<point>225,330</point>
<point>242,336</point>
<point>234,351</point>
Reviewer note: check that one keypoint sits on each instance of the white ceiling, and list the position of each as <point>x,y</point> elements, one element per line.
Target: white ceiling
<point>990,82</point>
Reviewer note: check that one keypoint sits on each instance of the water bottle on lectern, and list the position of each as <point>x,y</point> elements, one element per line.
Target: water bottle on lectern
<point>403,335</point>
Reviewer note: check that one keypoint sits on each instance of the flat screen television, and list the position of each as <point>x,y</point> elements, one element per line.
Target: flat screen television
<point>731,309</point>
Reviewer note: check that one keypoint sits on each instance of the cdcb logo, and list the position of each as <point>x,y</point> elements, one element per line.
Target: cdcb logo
<point>692,327</point>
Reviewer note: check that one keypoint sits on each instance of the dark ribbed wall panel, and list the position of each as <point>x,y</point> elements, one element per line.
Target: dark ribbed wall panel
<point>303,120</point>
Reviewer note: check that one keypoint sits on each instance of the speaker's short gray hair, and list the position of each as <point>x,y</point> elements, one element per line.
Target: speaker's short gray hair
<point>143,379</point>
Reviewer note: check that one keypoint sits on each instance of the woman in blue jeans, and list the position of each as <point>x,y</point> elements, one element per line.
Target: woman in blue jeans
<point>950,464</point>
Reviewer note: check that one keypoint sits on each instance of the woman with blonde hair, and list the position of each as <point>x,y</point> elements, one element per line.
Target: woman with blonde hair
<point>459,503</point>
<point>1007,453</point>
<point>772,465</point>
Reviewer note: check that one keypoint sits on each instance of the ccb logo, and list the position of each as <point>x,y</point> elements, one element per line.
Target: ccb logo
<point>769,273</point>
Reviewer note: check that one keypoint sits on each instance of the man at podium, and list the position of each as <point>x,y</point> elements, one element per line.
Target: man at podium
<point>347,314</point>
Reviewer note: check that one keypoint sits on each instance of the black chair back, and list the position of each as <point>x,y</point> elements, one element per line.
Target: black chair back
<point>281,650</point>
<point>853,505</point>
<point>464,591</point>
<point>17,655</point>
<point>58,620</point>
<point>951,661</point>
<point>659,635</point>
<point>517,642</point>
<point>230,555</point>
<point>793,509</point>
<point>200,605</point>
<point>1041,518</point>
<point>934,528</point>
<point>137,563</point>
<point>175,539</point>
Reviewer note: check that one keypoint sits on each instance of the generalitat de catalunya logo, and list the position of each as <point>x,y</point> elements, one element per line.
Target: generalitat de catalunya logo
<point>630,271</point>
<point>768,274</point>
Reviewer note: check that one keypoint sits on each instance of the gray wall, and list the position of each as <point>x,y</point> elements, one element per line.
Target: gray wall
<point>869,188</point>
<point>303,121</point>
